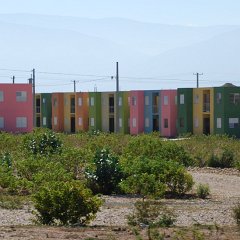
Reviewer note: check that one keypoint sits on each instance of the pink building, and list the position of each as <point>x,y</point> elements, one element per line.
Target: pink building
<point>168,113</point>
<point>136,102</point>
<point>16,108</point>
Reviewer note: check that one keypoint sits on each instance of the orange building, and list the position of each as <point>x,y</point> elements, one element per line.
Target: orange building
<point>58,112</point>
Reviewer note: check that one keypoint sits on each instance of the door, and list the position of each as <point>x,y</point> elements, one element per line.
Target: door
<point>111,124</point>
<point>73,125</point>
<point>206,125</point>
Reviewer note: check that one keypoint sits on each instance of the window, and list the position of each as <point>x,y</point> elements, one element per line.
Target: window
<point>219,123</point>
<point>1,96</point>
<point>55,103</point>
<point>165,100</point>
<point>181,98</point>
<point>146,100</point>
<point>92,122</point>
<point>233,122</point>
<point>196,123</point>
<point>65,101</point>
<point>134,101</point>
<point>175,100</point>
<point>181,122</point>
<point>92,101</point>
<point>1,122</point>
<point>219,98</point>
<point>165,123</point>
<point>80,121</point>
<point>44,121</point>
<point>234,98</point>
<point>80,101</point>
<point>44,100</point>
<point>196,99</point>
<point>146,122</point>
<point>21,122</point>
<point>120,101</point>
<point>134,122</point>
<point>55,121</point>
<point>66,121</point>
<point>21,96</point>
<point>120,122</point>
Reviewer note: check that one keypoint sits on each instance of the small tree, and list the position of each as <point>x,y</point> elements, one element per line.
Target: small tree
<point>65,204</point>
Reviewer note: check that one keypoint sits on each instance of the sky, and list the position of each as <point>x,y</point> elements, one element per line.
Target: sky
<point>183,12</point>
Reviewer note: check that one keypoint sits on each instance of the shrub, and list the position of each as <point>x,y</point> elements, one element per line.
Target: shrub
<point>225,161</point>
<point>105,173</point>
<point>203,190</point>
<point>236,213</point>
<point>65,204</point>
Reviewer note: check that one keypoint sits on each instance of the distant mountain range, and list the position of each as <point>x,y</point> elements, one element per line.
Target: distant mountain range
<point>160,55</point>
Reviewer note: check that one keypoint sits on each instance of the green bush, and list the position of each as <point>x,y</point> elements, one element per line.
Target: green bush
<point>226,160</point>
<point>65,204</point>
<point>105,173</point>
<point>203,190</point>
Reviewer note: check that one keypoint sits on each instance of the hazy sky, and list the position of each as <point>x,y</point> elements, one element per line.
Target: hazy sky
<point>184,12</point>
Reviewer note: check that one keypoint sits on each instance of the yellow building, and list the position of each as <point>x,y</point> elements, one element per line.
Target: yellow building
<point>203,111</point>
<point>69,113</point>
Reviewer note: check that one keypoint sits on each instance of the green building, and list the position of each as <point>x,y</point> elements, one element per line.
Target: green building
<point>43,106</point>
<point>124,112</point>
<point>185,110</point>
<point>227,110</point>
<point>95,111</point>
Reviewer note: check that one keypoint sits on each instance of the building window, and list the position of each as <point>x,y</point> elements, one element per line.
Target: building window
<point>80,121</point>
<point>44,100</point>
<point>165,100</point>
<point>92,101</point>
<point>134,122</point>
<point>233,122</point>
<point>1,122</point>
<point>92,122</point>
<point>21,122</point>
<point>175,100</point>
<point>120,101</point>
<point>146,122</point>
<point>44,121</point>
<point>181,98</point>
<point>146,100</point>
<point>181,122</point>
<point>196,123</point>
<point>219,123</point>
<point>55,103</point>
<point>55,121</point>
<point>134,101</point>
<point>219,98</point>
<point>66,122</point>
<point>196,99</point>
<point>120,122</point>
<point>165,123</point>
<point>234,98</point>
<point>1,96</point>
<point>21,96</point>
<point>80,101</point>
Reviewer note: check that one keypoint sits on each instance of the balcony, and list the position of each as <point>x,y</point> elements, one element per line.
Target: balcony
<point>72,109</point>
<point>38,109</point>
<point>206,107</point>
<point>111,109</point>
<point>155,109</point>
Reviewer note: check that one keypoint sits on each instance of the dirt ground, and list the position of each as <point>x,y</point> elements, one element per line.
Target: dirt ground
<point>196,218</point>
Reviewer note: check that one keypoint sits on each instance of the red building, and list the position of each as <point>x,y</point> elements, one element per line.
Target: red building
<point>16,108</point>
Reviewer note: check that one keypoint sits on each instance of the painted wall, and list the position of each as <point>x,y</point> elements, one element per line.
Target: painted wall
<point>198,110</point>
<point>169,112</point>
<point>95,112</point>
<point>46,109</point>
<point>82,113</point>
<point>136,112</point>
<point>124,112</point>
<point>58,112</point>
<point>10,109</point>
<point>185,111</point>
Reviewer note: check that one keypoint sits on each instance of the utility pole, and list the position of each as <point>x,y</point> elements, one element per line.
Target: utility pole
<point>74,85</point>
<point>117,98</point>
<point>34,94</point>
<point>198,74</point>
<point>13,79</point>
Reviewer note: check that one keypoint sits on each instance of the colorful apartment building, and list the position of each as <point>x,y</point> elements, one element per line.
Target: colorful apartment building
<point>203,110</point>
<point>151,111</point>
<point>58,112</point>
<point>227,110</point>
<point>95,112</point>
<point>124,112</point>
<point>43,106</point>
<point>185,110</point>
<point>168,113</point>
<point>136,112</point>
<point>82,115</point>
<point>16,108</point>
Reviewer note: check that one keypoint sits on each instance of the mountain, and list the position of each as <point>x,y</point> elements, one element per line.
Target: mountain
<point>92,46</point>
